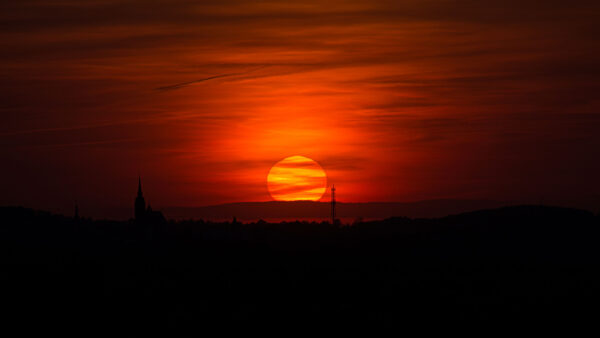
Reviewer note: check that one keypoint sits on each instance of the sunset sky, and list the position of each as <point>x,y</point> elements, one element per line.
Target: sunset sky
<point>395,100</point>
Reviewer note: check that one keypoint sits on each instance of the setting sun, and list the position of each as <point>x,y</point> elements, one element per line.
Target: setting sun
<point>297,178</point>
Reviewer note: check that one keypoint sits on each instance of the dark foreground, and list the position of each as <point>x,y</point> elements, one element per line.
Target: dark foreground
<point>513,265</point>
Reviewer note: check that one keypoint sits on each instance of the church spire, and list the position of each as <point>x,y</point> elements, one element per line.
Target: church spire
<point>140,203</point>
<point>139,186</point>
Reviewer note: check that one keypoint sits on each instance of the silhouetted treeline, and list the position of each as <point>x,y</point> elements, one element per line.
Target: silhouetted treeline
<point>527,263</point>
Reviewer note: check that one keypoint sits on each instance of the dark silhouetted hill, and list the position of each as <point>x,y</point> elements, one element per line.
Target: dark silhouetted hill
<point>521,264</point>
<point>276,210</point>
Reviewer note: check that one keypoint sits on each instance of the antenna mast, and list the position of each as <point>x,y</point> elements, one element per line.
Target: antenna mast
<point>333,204</point>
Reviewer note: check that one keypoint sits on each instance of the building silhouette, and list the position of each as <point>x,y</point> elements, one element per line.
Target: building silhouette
<point>143,214</point>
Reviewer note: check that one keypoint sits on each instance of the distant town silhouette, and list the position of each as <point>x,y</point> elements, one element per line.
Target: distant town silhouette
<point>150,275</point>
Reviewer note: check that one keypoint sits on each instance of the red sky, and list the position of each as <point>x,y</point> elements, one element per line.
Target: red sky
<point>396,100</point>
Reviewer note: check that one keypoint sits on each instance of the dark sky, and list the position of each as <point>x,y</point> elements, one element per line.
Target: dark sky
<point>396,100</point>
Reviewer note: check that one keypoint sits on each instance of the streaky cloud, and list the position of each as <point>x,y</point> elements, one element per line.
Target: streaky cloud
<point>185,84</point>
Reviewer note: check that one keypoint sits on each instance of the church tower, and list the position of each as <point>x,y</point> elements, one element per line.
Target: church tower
<point>140,203</point>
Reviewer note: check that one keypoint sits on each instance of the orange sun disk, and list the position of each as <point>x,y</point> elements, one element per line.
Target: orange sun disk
<point>297,178</point>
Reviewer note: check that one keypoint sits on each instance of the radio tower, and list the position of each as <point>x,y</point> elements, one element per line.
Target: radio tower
<point>333,205</point>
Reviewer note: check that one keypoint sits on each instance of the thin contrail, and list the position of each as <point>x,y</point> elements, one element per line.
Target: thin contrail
<point>183,84</point>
